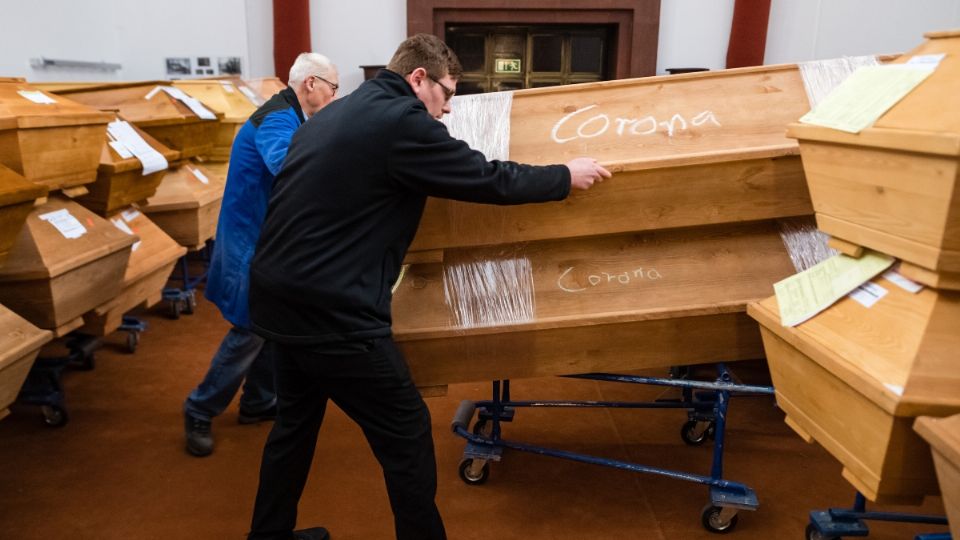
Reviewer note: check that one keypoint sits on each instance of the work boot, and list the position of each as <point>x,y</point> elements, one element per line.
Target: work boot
<point>316,533</point>
<point>247,417</point>
<point>199,437</point>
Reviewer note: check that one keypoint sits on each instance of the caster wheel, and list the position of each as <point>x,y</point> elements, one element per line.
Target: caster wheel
<point>174,309</point>
<point>695,433</point>
<point>813,534</point>
<point>190,305</point>
<point>133,339</point>
<point>471,477</point>
<point>713,520</point>
<point>54,416</point>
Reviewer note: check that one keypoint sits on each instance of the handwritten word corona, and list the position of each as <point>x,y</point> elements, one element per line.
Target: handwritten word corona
<point>599,124</point>
<point>621,278</point>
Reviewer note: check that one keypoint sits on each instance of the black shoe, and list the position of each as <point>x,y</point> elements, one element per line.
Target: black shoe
<point>316,533</point>
<point>198,435</point>
<point>247,417</point>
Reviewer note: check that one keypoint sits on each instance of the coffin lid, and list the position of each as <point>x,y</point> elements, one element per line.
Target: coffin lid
<point>265,86</point>
<point>128,98</point>
<point>885,352</point>
<point>943,434</point>
<point>155,250</point>
<point>180,189</point>
<point>111,162</point>
<point>17,111</point>
<point>236,108</point>
<point>18,337</point>
<point>42,252</point>
<point>16,189</point>
<point>921,121</point>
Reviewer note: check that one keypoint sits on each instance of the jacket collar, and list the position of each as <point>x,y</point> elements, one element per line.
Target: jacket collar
<point>394,82</point>
<point>290,97</point>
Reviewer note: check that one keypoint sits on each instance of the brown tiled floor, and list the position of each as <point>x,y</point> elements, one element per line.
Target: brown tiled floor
<point>118,469</point>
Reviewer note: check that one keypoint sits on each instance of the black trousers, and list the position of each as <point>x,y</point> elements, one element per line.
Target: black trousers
<point>371,383</point>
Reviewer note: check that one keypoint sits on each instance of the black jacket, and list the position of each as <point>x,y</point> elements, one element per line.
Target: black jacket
<point>347,204</point>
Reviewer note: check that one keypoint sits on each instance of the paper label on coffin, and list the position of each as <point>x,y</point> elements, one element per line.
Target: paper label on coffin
<point>194,105</point>
<point>64,222</point>
<point>122,225</point>
<point>37,97</point>
<point>125,135</point>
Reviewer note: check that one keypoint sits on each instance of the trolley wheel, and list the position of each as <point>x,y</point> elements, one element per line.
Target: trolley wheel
<point>813,534</point>
<point>691,433</point>
<point>190,305</point>
<point>174,309</point>
<point>133,339</point>
<point>471,478</point>
<point>713,522</point>
<point>54,415</point>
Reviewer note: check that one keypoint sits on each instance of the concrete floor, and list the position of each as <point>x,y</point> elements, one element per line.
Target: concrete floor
<point>118,469</point>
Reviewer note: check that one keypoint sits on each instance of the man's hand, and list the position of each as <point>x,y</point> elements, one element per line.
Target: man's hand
<point>585,171</point>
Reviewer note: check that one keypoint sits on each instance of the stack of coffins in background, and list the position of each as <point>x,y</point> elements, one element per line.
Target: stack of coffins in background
<point>224,97</point>
<point>854,377</point>
<point>943,434</point>
<point>265,87</point>
<point>651,268</point>
<point>16,201</point>
<point>20,342</point>
<point>49,139</point>
<point>187,204</point>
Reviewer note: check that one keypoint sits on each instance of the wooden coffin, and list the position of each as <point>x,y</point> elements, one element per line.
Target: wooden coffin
<point>52,280</point>
<point>20,342</point>
<point>16,201</point>
<point>265,87</point>
<point>893,186</point>
<point>56,144</point>
<point>943,434</point>
<point>854,378</point>
<point>166,119</point>
<point>151,261</point>
<point>187,205</point>
<point>619,302</point>
<point>222,97</point>
<point>120,181</point>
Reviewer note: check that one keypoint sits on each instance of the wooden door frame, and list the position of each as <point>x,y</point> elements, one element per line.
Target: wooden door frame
<point>637,22</point>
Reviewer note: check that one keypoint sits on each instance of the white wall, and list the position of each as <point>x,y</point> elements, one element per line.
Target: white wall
<point>260,38</point>
<point>694,33</point>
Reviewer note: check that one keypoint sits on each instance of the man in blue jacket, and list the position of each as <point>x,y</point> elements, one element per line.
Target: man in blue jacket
<point>343,213</point>
<point>259,150</point>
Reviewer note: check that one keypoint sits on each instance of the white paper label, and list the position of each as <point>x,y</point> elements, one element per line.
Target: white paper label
<point>227,86</point>
<point>130,215</point>
<point>122,150</point>
<point>194,105</point>
<point>251,95</point>
<point>122,225</point>
<point>128,137</point>
<point>902,282</point>
<point>64,222</point>
<point>199,174</point>
<point>37,97</point>
<point>930,61</point>
<point>868,294</point>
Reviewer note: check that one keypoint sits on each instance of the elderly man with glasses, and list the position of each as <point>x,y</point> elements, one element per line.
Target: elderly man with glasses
<point>259,150</point>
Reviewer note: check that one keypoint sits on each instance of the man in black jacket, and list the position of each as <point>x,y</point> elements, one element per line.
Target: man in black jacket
<point>343,212</point>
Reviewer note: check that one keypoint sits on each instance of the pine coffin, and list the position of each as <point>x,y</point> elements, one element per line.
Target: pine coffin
<point>20,342</point>
<point>853,379</point>
<point>222,97</point>
<point>265,87</point>
<point>52,280</point>
<point>56,144</point>
<point>943,434</point>
<point>16,201</point>
<point>151,261</point>
<point>187,205</point>
<point>893,186</point>
<point>163,117</point>
<point>121,182</point>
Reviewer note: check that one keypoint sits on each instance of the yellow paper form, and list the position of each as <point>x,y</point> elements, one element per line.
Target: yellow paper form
<point>803,295</point>
<point>865,95</point>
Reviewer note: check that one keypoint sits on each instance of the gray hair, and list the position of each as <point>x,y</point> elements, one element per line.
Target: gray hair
<point>307,64</point>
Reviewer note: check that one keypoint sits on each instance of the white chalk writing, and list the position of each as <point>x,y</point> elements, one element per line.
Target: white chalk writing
<point>599,124</point>
<point>599,278</point>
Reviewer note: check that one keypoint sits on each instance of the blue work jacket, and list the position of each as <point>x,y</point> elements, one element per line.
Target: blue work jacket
<point>258,152</point>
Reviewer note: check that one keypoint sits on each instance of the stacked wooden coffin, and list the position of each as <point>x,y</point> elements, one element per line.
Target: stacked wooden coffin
<point>226,98</point>
<point>16,201</point>
<point>20,342</point>
<point>854,378</point>
<point>651,268</point>
<point>66,261</point>
<point>187,204</point>
<point>265,87</point>
<point>49,139</point>
<point>156,108</point>
<point>943,434</point>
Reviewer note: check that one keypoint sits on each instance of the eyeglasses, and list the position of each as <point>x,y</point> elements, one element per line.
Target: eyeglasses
<point>447,91</point>
<point>333,86</point>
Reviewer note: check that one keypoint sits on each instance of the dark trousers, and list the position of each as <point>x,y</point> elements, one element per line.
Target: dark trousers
<point>371,383</point>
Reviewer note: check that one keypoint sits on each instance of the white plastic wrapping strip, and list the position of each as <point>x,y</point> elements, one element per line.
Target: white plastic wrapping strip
<point>483,122</point>
<point>820,77</point>
<point>489,293</point>
<point>806,245</point>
